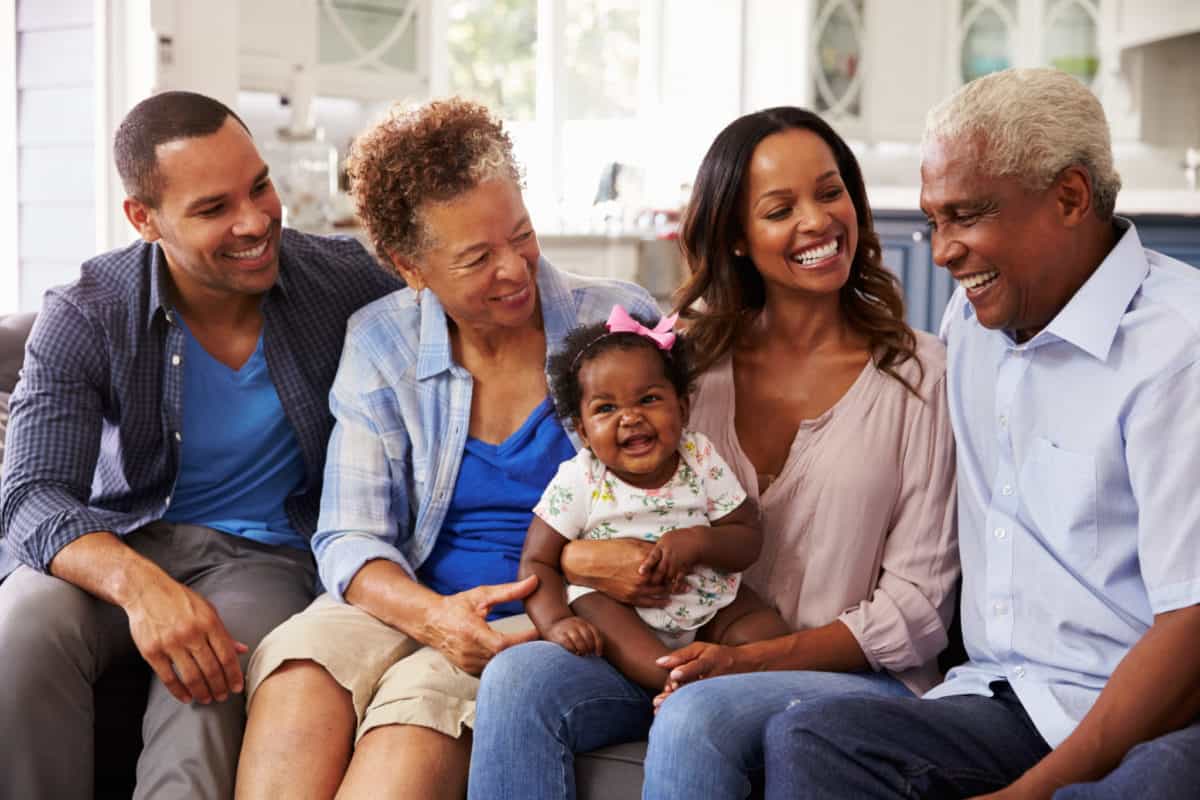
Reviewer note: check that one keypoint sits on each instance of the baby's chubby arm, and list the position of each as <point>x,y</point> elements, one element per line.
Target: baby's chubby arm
<point>731,544</point>
<point>547,606</point>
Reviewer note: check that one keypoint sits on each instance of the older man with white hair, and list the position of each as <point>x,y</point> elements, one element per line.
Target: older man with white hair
<point>1074,385</point>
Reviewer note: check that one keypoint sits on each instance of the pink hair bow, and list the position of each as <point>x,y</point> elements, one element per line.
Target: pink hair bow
<point>662,334</point>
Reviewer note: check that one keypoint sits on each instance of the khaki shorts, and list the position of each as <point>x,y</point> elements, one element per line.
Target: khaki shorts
<point>393,679</point>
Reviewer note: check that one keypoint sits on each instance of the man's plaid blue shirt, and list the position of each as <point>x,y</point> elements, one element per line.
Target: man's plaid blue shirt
<point>94,437</point>
<point>403,410</point>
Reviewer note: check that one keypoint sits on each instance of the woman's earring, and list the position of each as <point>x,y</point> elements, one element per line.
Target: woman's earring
<point>737,251</point>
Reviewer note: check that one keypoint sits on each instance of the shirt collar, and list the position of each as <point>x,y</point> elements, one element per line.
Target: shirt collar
<point>433,357</point>
<point>161,283</point>
<point>554,299</point>
<point>1092,316</point>
<point>558,313</point>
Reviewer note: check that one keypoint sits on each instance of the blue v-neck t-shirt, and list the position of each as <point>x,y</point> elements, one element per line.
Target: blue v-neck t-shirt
<point>498,485</point>
<point>240,459</point>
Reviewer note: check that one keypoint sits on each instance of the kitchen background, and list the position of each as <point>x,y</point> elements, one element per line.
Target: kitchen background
<point>611,104</point>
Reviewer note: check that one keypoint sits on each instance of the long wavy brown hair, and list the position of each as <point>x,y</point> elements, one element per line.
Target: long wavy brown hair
<point>726,292</point>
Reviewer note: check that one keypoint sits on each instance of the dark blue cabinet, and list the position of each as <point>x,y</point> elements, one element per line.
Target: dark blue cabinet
<point>904,239</point>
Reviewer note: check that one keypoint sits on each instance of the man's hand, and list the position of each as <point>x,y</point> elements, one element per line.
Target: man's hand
<point>576,635</point>
<point>458,626</point>
<point>675,554</point>
<point>177,631</point>
<point>611,566</point>
<point>182,637</point>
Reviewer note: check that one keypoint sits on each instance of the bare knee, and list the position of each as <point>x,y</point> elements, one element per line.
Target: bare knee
<point>303,690</point>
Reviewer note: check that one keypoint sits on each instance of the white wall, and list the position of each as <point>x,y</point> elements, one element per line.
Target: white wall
<point>55,142</point>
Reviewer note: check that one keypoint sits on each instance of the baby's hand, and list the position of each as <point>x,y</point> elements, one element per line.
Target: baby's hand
<point>675,555</point>
<point>577,635</point>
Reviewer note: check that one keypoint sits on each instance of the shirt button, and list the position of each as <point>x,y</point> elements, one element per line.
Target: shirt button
<point>1003,421</point>
<point>178,436</point>
<point>1000,533</point>
<point>1007,490</point>
<point>1019,672</point>
<point>175,359</point>
<point>999,607</point>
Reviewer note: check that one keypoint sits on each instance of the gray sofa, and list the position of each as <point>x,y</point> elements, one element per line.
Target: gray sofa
<point>121,691</point>
<point>612,773</point>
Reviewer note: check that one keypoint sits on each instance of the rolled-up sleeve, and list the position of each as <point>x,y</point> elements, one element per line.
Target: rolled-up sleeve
<point>365,508</point>
<point>904,622</point>
<point>54,430</point>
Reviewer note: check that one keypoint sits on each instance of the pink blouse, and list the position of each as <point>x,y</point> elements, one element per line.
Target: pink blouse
<point>860,523</point>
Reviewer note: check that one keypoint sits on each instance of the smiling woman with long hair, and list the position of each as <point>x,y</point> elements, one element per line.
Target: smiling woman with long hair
<point>832,413</point>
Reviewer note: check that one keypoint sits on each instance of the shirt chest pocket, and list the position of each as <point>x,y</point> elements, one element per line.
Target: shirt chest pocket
<point>1059,492</point>
<point>404,463</point>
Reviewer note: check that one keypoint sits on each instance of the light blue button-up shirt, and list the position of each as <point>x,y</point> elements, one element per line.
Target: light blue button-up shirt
<point>1078,482</point>
<point>402,410</point>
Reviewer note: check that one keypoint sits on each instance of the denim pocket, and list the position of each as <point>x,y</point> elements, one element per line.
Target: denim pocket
<point>1059,490</point>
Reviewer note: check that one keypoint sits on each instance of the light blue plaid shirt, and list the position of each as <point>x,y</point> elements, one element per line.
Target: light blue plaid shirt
<point>1078,515</point>
<point>402,409</point>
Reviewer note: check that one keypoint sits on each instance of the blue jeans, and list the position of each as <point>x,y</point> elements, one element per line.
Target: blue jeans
<point>537,706</point>
<point>873,748</point>
<point>707,738</point>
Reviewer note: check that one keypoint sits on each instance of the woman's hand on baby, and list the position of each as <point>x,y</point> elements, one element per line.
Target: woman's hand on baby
<point>458,627</point>
<point>611,566</point>
<point>674,556</point>
<point>697,661</point>
<point>577,635</point>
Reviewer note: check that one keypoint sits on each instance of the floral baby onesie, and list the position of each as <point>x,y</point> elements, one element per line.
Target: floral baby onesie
<point>585,500</point>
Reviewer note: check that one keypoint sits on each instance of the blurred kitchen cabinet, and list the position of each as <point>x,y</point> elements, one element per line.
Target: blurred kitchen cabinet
<point>1147,21</point>
<point>654,264</point>
<point>904,240</point>
<point>361,49</point>
<point>877,66</point>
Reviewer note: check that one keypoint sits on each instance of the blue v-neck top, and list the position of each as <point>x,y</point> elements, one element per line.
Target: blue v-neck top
<point>240,460</point>
<point>498,485</point>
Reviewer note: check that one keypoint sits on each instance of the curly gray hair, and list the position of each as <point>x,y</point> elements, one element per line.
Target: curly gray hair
<point>1032,124</point>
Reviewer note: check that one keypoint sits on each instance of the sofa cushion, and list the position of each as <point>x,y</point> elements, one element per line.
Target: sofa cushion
<point>610,773</point>
<point>14,330</point>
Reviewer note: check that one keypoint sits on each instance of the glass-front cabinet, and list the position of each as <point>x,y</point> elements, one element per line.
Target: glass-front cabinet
<point>992,35</point>
<point>871,72</point>
<point>837,56</point>
<point>364,49</point>
<point>987,37</point>
<point>1072,38</point>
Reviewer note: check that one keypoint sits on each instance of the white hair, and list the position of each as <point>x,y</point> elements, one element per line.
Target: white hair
<point>1031,124</point>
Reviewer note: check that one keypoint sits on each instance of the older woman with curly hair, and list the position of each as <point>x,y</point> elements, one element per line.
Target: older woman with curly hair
<point>832,413</point>
<point>444,440</point>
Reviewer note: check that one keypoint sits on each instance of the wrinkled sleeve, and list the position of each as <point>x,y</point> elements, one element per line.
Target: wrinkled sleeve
<point>903,624</point>
<point>365,508</point>
<point>55,423</point>
<point>564,503</point>
<point>1162,448</point>
<point>722,489</point>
